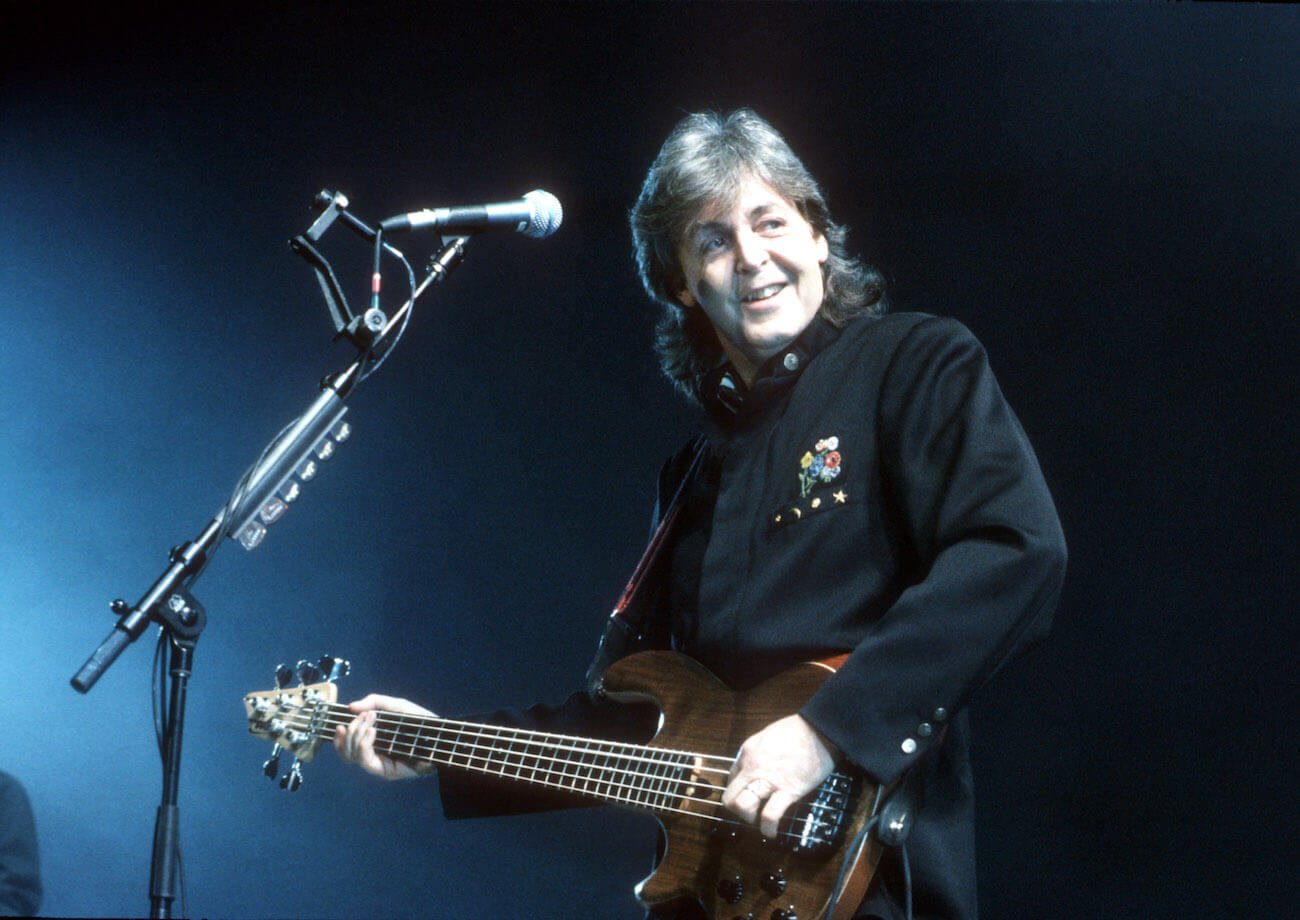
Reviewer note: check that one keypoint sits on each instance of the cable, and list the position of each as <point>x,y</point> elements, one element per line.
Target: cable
<point>162,729</point>
<point>406,318</point>
<point>907,880</point>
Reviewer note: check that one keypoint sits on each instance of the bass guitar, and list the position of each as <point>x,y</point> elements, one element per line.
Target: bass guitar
<point>817,868</point>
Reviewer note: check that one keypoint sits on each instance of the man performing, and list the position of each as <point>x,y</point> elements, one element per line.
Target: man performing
<point>864,488</point>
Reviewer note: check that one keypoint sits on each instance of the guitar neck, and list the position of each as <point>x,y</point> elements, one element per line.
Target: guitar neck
<point>630,774</point>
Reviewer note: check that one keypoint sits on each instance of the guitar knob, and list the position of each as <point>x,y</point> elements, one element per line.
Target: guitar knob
<point>774,883</point>
<point>731,890</point>
<point>785,914</point>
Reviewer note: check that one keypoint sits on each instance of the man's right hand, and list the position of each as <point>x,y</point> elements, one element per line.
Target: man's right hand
<point>355,742</point>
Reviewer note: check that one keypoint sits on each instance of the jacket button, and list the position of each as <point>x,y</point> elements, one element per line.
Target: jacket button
<point>940,714</point>
<point>791,361</point>
<point>925,729</point>
<point>909,745</point>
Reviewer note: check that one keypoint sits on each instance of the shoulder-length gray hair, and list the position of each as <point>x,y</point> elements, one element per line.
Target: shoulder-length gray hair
<point>704,162</point>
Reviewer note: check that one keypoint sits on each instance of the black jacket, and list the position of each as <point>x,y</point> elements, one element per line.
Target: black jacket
<point>872,493</point>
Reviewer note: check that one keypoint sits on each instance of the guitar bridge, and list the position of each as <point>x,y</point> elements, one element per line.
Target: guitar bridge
<point>816,823</point>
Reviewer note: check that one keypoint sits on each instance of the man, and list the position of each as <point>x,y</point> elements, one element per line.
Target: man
<point>865,488</point>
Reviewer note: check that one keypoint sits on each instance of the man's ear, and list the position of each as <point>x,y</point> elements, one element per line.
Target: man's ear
<point>686,298</point>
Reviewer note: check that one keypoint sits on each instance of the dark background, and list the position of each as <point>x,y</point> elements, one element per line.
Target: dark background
<point>1106,194</point>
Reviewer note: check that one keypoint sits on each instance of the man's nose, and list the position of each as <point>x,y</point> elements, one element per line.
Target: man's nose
<point>750,252</point>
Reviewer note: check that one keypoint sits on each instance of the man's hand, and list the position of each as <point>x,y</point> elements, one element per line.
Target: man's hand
<point>356,741</point>
<point>775,768</point>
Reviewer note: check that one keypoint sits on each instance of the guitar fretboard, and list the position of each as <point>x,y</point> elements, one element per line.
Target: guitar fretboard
<point>638,775</point>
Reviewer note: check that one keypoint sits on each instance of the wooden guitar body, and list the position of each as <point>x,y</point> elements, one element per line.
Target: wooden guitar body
<point>730,868</point>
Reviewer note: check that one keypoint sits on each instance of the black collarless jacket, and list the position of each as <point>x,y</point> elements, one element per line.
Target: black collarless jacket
<point>872,494</point>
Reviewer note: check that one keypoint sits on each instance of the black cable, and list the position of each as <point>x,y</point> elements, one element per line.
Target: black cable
<point>907,880</point>
<point>162,717</point>
<point>159,698</point>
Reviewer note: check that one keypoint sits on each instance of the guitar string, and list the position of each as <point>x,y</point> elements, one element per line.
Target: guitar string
<point>668,787</point>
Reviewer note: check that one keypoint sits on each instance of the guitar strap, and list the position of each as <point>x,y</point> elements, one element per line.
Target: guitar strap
<point>625,630</point>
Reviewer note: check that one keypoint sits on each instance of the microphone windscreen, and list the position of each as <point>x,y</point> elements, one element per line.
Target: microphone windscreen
<point>547,214</point>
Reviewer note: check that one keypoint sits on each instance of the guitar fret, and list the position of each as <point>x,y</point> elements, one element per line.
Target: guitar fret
<point>657,781</point>
<point>512,757</point>
<point>472,746</point>
<point>616,772</point>
<point>417,746</point>
<point>581,773</point>
<point>637,794</point>
<point>414,736</point>
<point>631,769</point>
<point>587,764</point>
<point>536,758</point>
<point>495,754</point>
<point>610,777</point>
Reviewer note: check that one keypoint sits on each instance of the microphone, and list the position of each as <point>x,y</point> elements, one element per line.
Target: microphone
<point>537,214</point>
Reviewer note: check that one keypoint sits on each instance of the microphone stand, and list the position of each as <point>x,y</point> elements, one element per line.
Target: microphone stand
<point>169,603</point>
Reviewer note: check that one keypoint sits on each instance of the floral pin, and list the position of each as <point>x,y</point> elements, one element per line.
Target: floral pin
<point>821,464</point>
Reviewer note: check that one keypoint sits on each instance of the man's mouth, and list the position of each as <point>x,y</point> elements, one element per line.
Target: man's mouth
<point>762,293</point>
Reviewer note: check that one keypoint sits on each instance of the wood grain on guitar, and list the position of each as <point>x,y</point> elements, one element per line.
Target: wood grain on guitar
<point>817,868</point>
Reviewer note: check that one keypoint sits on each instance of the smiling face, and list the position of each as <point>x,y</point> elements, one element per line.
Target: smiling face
<point>755,269</point>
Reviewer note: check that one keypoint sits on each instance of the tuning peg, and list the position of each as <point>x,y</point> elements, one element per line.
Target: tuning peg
<point>283,675</point>
<point>293,779</point>
<point>334,668</point>
<point>272,766</point>
<point>308,673</point>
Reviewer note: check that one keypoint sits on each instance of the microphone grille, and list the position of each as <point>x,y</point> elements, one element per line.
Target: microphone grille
<point>547,214</point>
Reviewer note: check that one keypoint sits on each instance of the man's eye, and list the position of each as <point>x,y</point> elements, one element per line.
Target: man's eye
<point>712,243</point>
<point>770,224</point>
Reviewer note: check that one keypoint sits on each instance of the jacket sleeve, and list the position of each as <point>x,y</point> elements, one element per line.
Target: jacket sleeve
<point>984,556</point>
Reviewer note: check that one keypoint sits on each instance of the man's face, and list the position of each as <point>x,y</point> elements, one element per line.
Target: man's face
<point>756,272</point>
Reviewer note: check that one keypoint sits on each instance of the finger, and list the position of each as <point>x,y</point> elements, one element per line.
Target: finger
<point>365,744</point>
<point>773,810</point>
<point>358,739</point>
<point>345,740</point>
<point>744,797</point>
<point>375,701</point>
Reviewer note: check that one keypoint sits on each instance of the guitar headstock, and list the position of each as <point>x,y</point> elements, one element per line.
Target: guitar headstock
<point>297,719</point>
